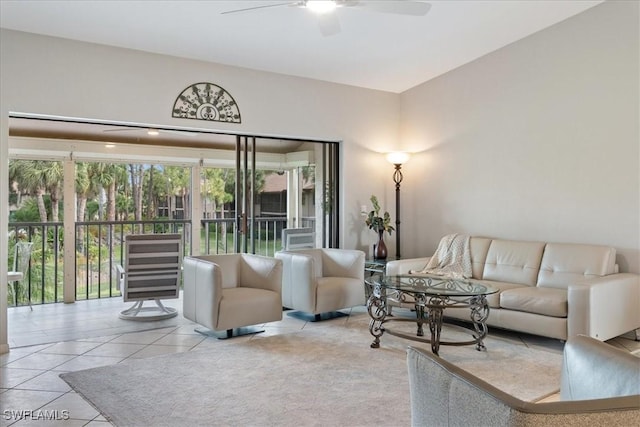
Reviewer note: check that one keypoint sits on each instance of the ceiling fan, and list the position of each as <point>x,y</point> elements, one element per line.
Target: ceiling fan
<point>325,9</point>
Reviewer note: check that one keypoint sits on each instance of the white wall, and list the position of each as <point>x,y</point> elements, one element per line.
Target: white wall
<point>59,77</point>
<point>537,141</point>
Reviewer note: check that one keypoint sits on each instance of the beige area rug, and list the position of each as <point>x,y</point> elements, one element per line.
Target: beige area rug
<point>323,376</point>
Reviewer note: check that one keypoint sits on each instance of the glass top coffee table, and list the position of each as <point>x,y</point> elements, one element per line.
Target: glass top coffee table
<point>432,296</point>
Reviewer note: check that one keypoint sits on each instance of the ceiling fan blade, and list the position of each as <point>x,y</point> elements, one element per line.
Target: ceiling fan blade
<point>177,132</point>
<point>146,131</point>
<point>248,9</point>
<point>404,7</point>
<point>329,24</point>
<point>121,130</point>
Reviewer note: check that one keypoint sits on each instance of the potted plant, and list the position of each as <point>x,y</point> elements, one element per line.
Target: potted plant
<point>379,224</point>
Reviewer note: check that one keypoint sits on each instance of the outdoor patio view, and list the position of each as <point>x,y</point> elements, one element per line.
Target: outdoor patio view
<point>115,200</point>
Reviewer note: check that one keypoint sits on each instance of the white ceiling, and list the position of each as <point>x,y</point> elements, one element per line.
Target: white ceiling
<point>373,50</point>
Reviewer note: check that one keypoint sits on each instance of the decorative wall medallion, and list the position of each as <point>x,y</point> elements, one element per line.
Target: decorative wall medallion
<point>206,101</point>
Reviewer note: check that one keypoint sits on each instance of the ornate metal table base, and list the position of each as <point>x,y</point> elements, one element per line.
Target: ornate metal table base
<point>429,310</point>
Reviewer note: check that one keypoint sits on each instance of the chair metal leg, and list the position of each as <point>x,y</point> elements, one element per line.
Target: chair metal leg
<point>229,333</point>
<point>308,317</point>
<point>138,312</point>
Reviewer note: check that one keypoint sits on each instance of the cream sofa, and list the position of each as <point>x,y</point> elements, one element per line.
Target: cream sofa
<point>556,290</point>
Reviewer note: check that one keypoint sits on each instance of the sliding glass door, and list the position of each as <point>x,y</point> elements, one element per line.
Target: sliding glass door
<point>273,185</point>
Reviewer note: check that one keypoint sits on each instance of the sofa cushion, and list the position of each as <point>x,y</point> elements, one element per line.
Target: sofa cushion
<point>494,299</point>
<point>563,263</point>
<point>545,301</point>
<point>513,261</point>
<point>478,248</point>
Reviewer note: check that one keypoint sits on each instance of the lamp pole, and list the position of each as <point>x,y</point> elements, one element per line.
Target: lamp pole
<point>397,178</point>
<point>397,159</point>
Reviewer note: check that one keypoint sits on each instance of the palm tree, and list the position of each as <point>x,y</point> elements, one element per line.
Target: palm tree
<point>120,190</point>
<point>180,185</point>
<point>101,178</point>
<point>83,186</point>
<point>213,190</point>
<point>114,172</point>
<point>36,177</point>
<point>136,175</point>
<point>151,212</point>
<point>16,180</point>
<point>53,174</point>
<point>32,179</point>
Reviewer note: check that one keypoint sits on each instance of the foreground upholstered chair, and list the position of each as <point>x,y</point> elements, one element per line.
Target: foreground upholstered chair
<point>231,292</point>
<point>600,386</point>
<point>317,282</point>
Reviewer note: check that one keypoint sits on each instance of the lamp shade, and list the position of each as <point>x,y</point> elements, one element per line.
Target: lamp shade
<point>398,157</point>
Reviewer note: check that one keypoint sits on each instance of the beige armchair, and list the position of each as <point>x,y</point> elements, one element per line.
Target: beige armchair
<point>600,386</point>
<point>231,292</point>
<point>317,282</point>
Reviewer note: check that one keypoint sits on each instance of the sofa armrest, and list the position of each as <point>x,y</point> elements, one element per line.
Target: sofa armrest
<point>443,394</point>
<point>403,266</point>
<point>298,280</point>
<point>202,291</point>
<point>604,307</point>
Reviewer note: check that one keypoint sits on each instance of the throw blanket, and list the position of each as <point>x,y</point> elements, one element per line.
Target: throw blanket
<point>452,258</point>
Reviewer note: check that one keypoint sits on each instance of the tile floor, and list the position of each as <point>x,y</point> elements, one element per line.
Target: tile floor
<point>58,338</point>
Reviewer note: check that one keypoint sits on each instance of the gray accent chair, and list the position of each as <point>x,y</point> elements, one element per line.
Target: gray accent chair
<point>151,272</point>
<point>232,292</point>
<point>298,238</point>
<point>600,386</point>
<point>317,282</point>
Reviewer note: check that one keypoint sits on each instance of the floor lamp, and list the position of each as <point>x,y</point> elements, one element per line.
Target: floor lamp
<point>397,159</point>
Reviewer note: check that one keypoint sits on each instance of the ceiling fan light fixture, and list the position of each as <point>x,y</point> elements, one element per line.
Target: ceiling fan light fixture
<point>321,6</point>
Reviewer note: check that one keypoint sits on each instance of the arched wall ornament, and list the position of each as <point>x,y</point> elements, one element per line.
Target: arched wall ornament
<point>206,101</point>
